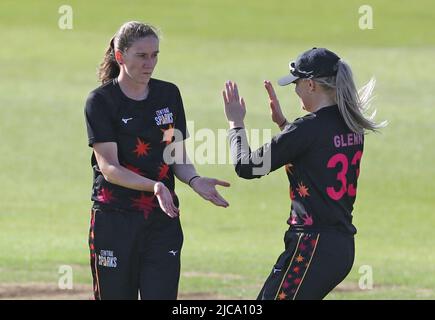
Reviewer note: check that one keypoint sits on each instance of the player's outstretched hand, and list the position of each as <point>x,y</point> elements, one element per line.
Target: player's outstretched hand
<point>275,108</point>
<point>165,200</point>
<point>235,108</point>
<point>206,188</point>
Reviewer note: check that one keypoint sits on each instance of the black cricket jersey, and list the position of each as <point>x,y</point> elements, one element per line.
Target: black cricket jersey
<point>321,156</point>
<point>142,130</point>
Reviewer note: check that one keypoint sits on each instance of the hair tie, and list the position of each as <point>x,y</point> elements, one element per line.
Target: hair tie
<point>335,68</point>
<point>112,54</point>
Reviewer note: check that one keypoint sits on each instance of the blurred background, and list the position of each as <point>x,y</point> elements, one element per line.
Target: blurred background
<point>45,174</point>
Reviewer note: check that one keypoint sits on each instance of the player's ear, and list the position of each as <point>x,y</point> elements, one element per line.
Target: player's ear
<point>311,85</point>
<point>118,56</point>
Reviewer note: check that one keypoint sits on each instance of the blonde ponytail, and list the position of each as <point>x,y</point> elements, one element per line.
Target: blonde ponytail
<point>352,103</point>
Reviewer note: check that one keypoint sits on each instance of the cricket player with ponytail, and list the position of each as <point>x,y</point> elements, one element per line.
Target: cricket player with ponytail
<point>321,153</point>
<point>135,236</point>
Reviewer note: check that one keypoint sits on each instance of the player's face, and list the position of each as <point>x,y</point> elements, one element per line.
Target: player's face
<point>140,59</point>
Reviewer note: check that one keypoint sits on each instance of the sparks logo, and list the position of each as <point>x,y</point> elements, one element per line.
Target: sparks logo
<point>107,259</point>
<point>142,148</point>
<point>168,134</point>
<point>164,116</point>
<point>146,204</point>
<point>302,190</point>
<point>163,172</point>
<point>105,195</point>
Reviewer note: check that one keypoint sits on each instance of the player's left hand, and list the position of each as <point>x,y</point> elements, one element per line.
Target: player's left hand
<point>235,109</point>
<point>206,188</point>
<point>275,107</point>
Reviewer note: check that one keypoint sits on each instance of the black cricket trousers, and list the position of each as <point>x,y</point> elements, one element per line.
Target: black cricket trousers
<point>311,266</point>
<point>131,255</point>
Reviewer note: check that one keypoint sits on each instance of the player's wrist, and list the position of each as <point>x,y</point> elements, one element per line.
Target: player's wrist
<point>193,179</point>
<point>157,187</point>
<point>236,124</point>
<point>283,123</point>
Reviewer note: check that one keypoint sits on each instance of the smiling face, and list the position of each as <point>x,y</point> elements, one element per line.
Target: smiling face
<point>139,60</point>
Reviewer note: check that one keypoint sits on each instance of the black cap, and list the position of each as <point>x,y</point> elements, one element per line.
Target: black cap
<point>313,63</point>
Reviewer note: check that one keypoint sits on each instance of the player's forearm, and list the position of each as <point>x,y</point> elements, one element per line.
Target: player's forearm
<point>184,171</point>
<point>248,165</point>
<point>117,174</point>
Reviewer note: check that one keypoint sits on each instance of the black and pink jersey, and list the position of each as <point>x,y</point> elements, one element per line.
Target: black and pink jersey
<point>141,129</point>
<point>321,156</point>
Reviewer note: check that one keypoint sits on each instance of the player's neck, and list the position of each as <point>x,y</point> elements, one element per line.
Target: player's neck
<point>132,89</point>
<point>322,102</point>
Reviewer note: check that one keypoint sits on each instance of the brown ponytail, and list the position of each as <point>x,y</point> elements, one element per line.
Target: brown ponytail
<point>109,68</point>
<point>122,40</point>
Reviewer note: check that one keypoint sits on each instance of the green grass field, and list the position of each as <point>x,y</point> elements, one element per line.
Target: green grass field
<point>45,169</point>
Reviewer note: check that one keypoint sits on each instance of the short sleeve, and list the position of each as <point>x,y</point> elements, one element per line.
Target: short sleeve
<point>99,122</point>
<point>180,119</point>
